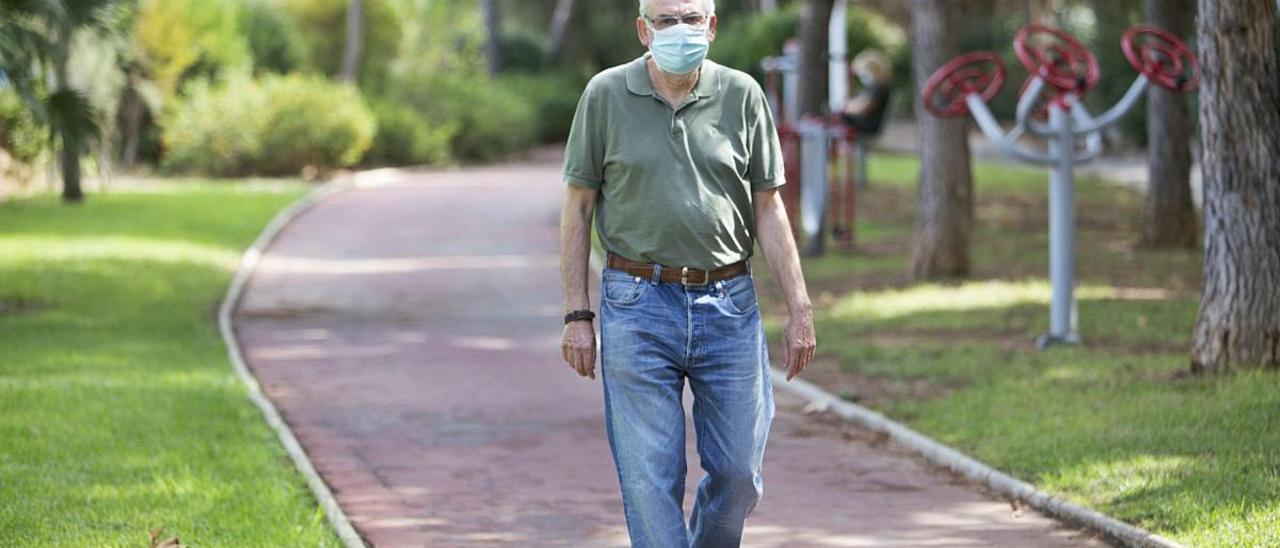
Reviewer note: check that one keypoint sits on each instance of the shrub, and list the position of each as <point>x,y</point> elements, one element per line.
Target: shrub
<point>22,136</point>
<point>313,122</point>
<point>554,98</point>
<point>491,120</point>
<point>215,130</point>
<point>274,42</point>
<point>523,51</point>
<point>274,126</point>
<point>406,138</point>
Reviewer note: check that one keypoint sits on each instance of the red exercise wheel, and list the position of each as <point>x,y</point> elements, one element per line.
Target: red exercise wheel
<point>980,72</point>
<point>1163,57</point>
<point>1059,59</point>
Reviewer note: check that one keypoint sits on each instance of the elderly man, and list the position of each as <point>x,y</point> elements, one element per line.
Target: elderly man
<point>679,161</point>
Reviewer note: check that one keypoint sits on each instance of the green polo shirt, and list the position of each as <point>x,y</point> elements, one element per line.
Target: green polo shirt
<point>674,183</point>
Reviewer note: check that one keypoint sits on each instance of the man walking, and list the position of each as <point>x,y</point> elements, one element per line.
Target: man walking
<point>678,160</point>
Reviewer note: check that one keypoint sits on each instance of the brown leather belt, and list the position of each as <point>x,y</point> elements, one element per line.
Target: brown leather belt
<point>682,275</point>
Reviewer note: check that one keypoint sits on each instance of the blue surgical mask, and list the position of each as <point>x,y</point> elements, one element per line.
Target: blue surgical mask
<point>679,49</point>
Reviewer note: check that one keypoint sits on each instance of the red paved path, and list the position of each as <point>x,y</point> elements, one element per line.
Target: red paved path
<point>409,333</point>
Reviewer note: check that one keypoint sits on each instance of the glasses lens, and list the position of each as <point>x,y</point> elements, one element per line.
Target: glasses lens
<point>665,21</point>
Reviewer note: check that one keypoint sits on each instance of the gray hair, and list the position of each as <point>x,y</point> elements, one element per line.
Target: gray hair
<point>708,5</point>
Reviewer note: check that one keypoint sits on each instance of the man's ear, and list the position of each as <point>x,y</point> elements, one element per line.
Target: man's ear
<point>642,32</point>
<point>711,32</point>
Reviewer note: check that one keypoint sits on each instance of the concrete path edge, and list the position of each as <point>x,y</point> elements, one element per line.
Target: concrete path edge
<point>972,469</point>
<point>324,496</point>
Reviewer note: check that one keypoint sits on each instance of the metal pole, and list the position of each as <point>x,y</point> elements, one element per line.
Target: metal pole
<point>838,71</point>
<point>1062,308</point>
<point>791,82</point>
<point>813,183</point>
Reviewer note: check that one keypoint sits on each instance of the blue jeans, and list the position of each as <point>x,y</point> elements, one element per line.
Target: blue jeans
<point>653,335</point>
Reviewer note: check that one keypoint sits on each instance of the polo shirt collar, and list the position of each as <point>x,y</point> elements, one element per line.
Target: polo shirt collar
<point>638,81</point>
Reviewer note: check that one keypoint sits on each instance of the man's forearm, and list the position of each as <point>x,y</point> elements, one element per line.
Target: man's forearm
<point>779,247</point>
<point>575,254</point>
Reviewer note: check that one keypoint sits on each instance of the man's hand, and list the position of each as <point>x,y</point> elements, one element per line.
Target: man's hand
<point>579,344</point>
<point>798,343</point>
<point>579,347</point>
<point>779,246</point>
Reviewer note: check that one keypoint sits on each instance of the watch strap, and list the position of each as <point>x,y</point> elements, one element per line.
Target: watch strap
<point>579,315</point>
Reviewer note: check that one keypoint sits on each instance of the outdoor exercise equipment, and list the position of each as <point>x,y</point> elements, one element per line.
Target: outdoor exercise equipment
<point>1049,106</point>
<point>812,146</point>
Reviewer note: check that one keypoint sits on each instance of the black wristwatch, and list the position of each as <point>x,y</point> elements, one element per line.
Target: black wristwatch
<point>579,315</point>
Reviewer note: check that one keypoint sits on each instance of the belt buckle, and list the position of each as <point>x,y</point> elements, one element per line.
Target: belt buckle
<point>684,277</point>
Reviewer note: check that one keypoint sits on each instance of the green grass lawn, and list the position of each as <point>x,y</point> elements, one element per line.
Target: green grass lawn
<point>1116,424</point>
<point>119,412</point>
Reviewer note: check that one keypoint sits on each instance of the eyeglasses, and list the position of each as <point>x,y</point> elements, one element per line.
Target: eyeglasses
<point>668,21</point>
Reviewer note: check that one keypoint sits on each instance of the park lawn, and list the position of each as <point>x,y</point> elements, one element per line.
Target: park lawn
<point>1116,424</point>
<point>119,410</point>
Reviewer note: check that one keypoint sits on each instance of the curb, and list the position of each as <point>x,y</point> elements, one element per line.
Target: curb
<point>249,261</point>
<point>942,455</point>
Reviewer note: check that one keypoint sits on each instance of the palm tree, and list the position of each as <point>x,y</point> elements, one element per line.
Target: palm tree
<point>35,44</point>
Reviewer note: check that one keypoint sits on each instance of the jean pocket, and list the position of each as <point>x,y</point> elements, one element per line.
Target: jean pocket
<point>618,287</point>
<point>740,294</point>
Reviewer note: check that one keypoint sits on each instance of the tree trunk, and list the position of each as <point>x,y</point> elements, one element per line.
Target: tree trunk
<point>944,219</point>
<point>70,159</point>
<point>493,36</point>
<point>1114,17</point>
<point>69,152</point>
<point>814,43</point>
<point>354,41</point>
<point>1239,318</point>
<point>133,110</point>
<point>559,29</point>
<point>1169,219</point>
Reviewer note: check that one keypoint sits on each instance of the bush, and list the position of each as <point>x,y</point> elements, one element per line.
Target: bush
<point>274,126</point>
<point>215,130</point>
<point>523,51</point>
<point>406,138</point>
<point>554,98</point>
<point>274,42</point>
<point>492,121</point>
<point>22,136</point>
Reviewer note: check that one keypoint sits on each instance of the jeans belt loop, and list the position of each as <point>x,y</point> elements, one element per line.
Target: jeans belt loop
<point>657,274</point>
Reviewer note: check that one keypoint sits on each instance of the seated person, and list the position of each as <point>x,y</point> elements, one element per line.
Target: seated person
<point>866,110</point>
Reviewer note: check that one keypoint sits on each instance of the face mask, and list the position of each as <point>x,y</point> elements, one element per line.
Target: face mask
<point>679,49</point>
